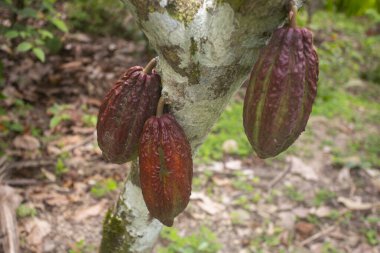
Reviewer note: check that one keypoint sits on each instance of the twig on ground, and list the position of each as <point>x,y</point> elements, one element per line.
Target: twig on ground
<point>77,145</point>
<point>317,235</point>
<point>29,164</point>
<point>21,182</point>
<point>279,177</point>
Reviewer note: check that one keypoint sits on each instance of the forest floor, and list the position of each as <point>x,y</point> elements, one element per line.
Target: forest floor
<point>320,196</point>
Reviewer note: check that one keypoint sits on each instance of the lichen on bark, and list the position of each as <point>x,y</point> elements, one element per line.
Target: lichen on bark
<point>112,242</point>
<point>183,10</point>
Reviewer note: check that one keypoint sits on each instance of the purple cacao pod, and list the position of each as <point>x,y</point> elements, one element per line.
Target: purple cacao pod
<point>124,110</point>
<point>281,91</point>
<point>166,168</point>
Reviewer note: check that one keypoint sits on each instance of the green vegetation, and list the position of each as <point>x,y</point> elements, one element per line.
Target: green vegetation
<point>329,248</point>
<point>202,242</point>
<point>353,7</point>
<point>25,210</point>
<point>60,167</point>
<point>229,127</point>
<point>269,240</point>
<point>323,196</point>
<point>102,188</point>
<point>372,237</point>
<point>294,194</point>
<point>59,114</point>
<point>91,17</point>
<point>346,54</point>
<point>35,26</point>
<point>82,247</point>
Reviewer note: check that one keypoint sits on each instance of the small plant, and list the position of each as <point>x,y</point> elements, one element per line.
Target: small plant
<point>59,114</point>
<point>323,196</point>
<point>82,247</point>
<point>242,185</point>
<point>92,17</point>
<point>102,188</point>
<point>269,240</point>
<point>202,242</point>
<point>294,194</point>
<point>372,237</point>
<point>89,120</point>
<point>313,219</point>
<point>60,167</point>
<point>329,248</point>
<point>33,26</point>
<point>334,214</point>
<point>25,210</point>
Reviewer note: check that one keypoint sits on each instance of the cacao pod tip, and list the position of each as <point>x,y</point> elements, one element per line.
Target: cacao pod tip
<point>167,222</point>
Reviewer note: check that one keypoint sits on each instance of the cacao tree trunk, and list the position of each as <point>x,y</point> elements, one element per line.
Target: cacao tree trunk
<point>206,50</point>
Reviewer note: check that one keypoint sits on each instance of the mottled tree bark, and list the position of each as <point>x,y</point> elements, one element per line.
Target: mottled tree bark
<point>206,50</point>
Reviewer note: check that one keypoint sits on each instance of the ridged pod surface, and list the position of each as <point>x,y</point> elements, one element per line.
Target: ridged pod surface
<point>166,168</point>
<point>123,112</point>
<point>281,91</point>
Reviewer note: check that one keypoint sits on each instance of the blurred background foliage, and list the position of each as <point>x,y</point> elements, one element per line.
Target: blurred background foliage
<point>40,26</point>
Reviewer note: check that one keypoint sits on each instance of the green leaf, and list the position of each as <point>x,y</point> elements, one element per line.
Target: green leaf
<point>24,46</point>
<point>39,53</point>
<point>11,34</point>
<point>39,42</point>
<point>60,24</point>
<point>46,34</point>
<point>28,13</point>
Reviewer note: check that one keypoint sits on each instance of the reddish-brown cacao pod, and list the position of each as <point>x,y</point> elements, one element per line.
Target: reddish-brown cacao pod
<point>281,91</point>
<point>123,112</point>
<point>166,168</point>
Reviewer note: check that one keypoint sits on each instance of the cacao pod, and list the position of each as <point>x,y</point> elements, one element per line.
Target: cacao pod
<point>124,110</point>
<point>166,168</point>
<point>281,91</point>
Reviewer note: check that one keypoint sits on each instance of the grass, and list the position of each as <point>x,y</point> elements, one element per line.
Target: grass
<point>25,210</point>
<point>82,247</point>
<point>323,196</point>
<point>203,241</point>
<point>229,127</point>
<point>294,194</point>
<point>104,187</point>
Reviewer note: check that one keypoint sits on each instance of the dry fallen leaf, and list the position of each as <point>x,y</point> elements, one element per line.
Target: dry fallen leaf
<point>302,169</point>
<point>305,229</point>
<point>321,212</point>
<point>356,205</point>
<point>26,142</point>
<point>233,165</point>
<point>37,229</point>
<point>206,204</point>
<point>95,210</point>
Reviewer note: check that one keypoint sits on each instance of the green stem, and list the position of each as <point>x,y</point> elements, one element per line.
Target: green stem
<point>160,106</point>
<point>150,66</point>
